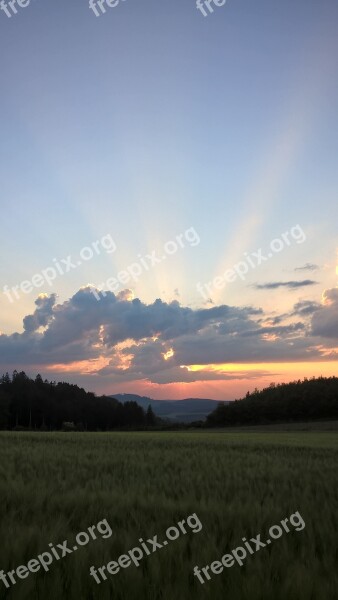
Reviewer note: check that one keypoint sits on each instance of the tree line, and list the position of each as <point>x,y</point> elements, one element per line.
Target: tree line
<point>46,405</point>
<point>39,404</point>
<point>307,400</point>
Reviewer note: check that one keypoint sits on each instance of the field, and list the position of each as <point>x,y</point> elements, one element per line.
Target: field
<point>53,486</point>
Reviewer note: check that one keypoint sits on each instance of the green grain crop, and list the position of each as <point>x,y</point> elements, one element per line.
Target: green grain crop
<point>53,486</point>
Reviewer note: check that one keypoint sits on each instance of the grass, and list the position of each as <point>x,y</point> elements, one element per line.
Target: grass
<point>53,486</point>
<point>292,426</point>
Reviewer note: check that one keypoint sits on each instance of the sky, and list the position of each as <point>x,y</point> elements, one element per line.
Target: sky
<point>169,190</point>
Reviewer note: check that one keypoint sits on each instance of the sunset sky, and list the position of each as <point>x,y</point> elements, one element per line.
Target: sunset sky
<point>169,193</point>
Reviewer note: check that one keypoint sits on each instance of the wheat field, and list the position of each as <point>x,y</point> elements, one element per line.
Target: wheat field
<point>55,485</point>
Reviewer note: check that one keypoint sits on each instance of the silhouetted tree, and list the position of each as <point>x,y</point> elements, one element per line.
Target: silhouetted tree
<point>150,416</point>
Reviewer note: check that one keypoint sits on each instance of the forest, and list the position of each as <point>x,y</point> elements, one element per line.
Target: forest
<point>307,400</point>
<point>38,404</point>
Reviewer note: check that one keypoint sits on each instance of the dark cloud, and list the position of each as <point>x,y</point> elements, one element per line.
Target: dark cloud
<point>305,308</point>
<point>325,321</point>
<point>277,320</point>
<point>208,347</point>
<point>307,267</point>
<point>291,285</point>
<point>42,315</point>
<point>278,331</point>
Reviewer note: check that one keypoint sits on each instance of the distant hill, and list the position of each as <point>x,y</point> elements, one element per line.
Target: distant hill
<point>186,411</point>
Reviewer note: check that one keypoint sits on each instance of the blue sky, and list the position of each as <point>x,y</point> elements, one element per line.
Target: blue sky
<point>150,120</point>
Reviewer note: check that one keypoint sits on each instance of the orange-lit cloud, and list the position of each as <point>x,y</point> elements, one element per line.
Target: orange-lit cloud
<point>83,367</point>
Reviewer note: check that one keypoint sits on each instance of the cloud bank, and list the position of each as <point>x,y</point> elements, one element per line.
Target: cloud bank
<point>127,339</point>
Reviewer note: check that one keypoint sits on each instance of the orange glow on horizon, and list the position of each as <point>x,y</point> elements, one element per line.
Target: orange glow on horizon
<point>326,366</point>
<point>228,389</point>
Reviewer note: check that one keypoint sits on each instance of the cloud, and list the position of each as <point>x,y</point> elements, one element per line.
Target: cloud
<point>213,349</point>
<point>291,285</point>
<point>42,315</point>
<point>325,321</point>
<point>82,327</point>
<point>276,331</point>
<point>305,308</point>
<point>185,375</point>
<point>125,339</point>
<point>307,267</point>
